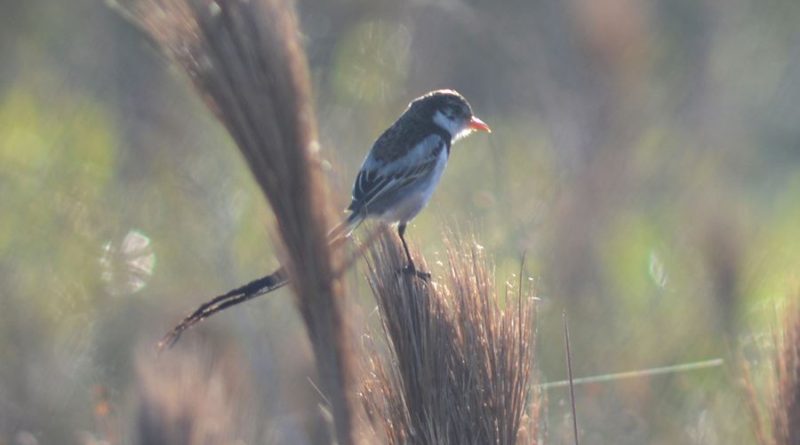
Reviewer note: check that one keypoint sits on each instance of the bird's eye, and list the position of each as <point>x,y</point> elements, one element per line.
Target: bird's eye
<point>451,112</point>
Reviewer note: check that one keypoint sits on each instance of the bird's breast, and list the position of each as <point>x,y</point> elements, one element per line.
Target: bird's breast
<point>417,198</point>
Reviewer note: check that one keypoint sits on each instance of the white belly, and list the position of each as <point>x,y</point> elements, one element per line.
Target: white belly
<point>410,206</point>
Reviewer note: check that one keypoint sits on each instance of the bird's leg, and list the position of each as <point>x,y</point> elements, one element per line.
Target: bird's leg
<point>410,268</point>
<point>401,230</point>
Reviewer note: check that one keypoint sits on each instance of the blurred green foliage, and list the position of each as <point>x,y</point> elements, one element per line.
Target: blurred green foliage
<point>644,157</point>
<point>58,162</point>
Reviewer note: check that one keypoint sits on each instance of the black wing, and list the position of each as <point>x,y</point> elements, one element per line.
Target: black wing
<point>378,179</point>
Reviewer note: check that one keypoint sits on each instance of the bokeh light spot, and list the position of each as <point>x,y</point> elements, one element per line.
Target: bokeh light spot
<point>128,265</point>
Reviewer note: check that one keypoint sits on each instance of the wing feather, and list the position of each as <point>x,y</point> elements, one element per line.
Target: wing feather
<point>376,179</point>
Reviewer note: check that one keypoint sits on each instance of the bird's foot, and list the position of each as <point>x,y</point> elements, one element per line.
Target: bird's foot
<point>411,270</point>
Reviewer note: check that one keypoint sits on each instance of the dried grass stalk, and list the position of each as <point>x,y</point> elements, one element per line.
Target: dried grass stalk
<point>192,398</point>
<point>776,416</point>
<point>457,367</point>
<point>786,409</point>
<point>245,61</point>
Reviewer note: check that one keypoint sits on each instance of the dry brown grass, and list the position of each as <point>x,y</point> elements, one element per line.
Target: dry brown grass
<point>457,367</point>
<point>190,397</point>
<point>245,61</point>
<point>776,415</point>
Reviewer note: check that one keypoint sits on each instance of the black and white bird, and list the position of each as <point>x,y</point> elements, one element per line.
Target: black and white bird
<point>395,182</point>
<point>404,166</point>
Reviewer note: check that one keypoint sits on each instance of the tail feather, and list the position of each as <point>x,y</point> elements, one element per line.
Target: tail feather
<point>253,289</point>
<point>346,227</point>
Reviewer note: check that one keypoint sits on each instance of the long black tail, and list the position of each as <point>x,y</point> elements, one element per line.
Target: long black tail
<point>255,288</point>
<point>249,291</point>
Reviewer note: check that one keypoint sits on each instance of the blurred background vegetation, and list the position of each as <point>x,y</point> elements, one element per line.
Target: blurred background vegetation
<point>645,157</point>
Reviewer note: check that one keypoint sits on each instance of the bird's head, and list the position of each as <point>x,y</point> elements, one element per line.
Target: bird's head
<point>448,110</point>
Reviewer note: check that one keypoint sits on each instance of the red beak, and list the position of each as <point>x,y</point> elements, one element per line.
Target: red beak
<point>478,125</point>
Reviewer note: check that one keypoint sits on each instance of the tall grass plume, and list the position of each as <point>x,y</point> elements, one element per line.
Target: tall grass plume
<point>457,361</point>
<point>246,63</point>
<point>775,410</point>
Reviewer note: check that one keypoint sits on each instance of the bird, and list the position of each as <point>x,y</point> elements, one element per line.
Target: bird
<point>395,182</point>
